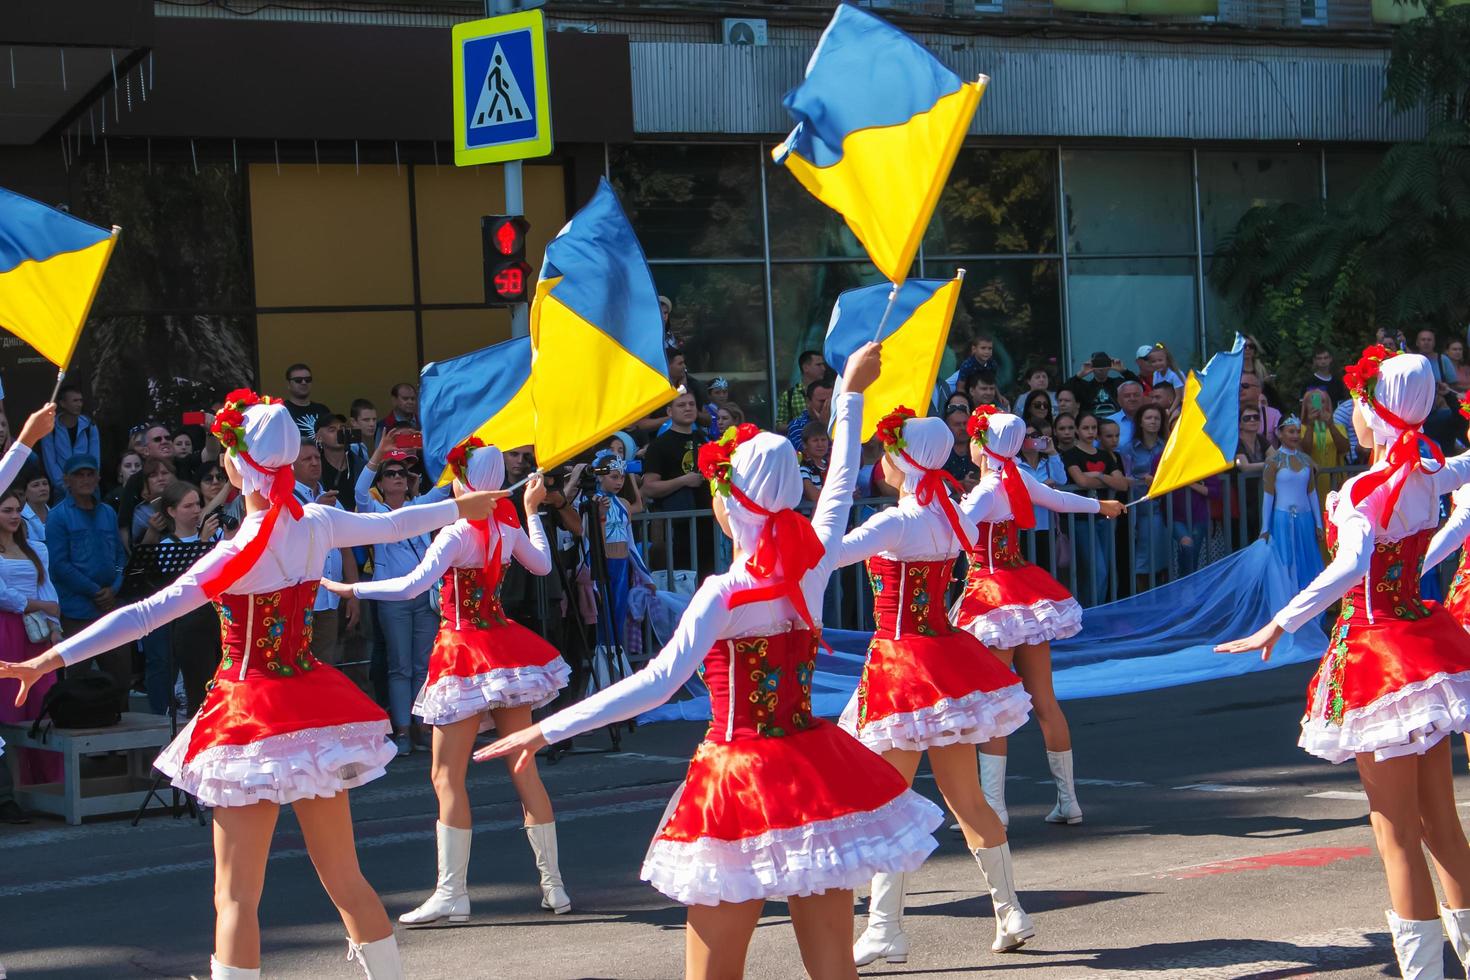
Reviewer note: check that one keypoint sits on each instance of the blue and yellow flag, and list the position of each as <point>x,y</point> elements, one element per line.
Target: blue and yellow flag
<point>485,393</point>
<point>1207,434</point>
<point>50,267</point>
<point>913,340</point>
<point>878,125</point>
<point>597,335</point>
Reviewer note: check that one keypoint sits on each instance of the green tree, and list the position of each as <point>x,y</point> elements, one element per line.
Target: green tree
<point>1391,255</point>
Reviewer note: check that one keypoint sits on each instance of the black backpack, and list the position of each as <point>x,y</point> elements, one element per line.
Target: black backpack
<point>88,700</point>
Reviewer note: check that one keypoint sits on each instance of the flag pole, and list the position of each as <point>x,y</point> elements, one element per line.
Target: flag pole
<point>892,302</point>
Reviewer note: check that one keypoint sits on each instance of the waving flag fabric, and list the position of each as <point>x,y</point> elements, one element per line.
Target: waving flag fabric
<point>485,393</point>
<point>878,125</point>
<point>1207,434</point>
<point>913,340</point>
<point>597,336</point>
<point>50,267</point>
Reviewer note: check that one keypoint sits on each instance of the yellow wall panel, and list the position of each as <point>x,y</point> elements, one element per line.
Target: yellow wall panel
<point>449,333</point>
<point>352,355</point>
<point>337,237</point>
<point>450,202</point>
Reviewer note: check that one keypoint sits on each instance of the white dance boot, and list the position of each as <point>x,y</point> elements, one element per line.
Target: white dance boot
<point>993,783</point>
<point>1012,925</point>
<point>378,959</point>
<point>1457,927</point>
<point>218,971</point>
<point>1067,809</point>
<point>1419,946</point>
<point>543,844</point>
<point>451,897</point>
<point>883,938</point>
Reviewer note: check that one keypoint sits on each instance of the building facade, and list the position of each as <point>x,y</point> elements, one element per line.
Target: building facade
<point>285,186</point>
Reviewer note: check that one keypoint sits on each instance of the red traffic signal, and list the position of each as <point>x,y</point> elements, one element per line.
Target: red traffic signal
<point>507,273</point>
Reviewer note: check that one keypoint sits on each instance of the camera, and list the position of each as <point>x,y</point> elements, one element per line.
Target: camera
<point>409,440</point>
<point>228,522</point>
<point>1101,360</point>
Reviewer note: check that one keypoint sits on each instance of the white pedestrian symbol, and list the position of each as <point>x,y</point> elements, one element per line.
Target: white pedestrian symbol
<point>500,99</point>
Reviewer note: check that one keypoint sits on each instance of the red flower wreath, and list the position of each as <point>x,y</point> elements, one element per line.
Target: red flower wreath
<point>890,429</point>
<point>1464,406</point>
<point>717,458</point>
<point>459,457</point>
<point>229,421</point>
<point>979,424</point>
<point>1362,378</point>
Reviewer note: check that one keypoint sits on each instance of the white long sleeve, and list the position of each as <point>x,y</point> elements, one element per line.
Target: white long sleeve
<point>1355,539</point>
<point>1451,537</point>
<point>701,625</point>
<point>297,553</point>
<point>834,502</point>
<point>15,457</point>
<point>1058,501</point>
<point>459,547</point>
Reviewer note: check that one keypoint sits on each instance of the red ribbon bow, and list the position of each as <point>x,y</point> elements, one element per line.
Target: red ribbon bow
<point>1015,487</point>
<point>788,548</point>
<point>936,485</point>
<point>1403,458</point>
<point>281,492</point>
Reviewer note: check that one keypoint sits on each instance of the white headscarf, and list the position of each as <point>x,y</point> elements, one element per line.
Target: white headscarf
<point>928,443</point>
<point>485,471</point>
<point>765,469</point>
<point>1005,435</point>
<point>1406,387</point>
<point>273,440</point>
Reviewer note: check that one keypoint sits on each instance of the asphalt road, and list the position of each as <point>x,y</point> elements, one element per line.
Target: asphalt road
<point>1213,847</point>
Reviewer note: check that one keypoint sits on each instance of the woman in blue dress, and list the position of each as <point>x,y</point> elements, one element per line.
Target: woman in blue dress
<point>1291,512</point>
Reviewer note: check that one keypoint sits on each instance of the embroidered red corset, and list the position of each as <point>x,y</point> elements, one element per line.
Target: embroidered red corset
<point>760,686</point>
<point>469,598</point>
<point>908,596</point>
<point>268,631</point>
<point>997,546</point>
<point>1392,587</point>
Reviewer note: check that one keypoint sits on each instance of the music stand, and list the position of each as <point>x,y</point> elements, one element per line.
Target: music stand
<point>171,559</point>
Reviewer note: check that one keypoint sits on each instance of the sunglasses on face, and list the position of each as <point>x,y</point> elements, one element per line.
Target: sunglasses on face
<point>390,474</point>
<point>1250,418</point>
<point>956,410</point>
<point>302,379</point>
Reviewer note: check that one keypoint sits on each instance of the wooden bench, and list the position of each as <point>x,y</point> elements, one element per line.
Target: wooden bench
<point>140,736</point>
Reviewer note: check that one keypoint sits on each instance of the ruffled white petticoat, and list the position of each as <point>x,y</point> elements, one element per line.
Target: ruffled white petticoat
<point>1042,621</point>
<point>973,719</point>
<point>844,852</point>
<point>1410,721</point>
<point>312,762</point>
<point>451,698</point>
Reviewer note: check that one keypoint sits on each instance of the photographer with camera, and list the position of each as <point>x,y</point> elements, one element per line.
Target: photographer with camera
<point>336,438</point>
<point>1098,380</point>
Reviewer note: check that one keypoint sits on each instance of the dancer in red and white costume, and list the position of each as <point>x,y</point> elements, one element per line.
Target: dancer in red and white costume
<point>277,726</point>
<point>777,802</point>
<point>927,687</point>
<point>1014,607</point>
<point>1396,677</point>
<point>481,663</point>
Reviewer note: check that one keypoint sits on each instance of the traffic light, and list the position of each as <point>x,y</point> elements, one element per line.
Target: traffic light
<point>507,273</point>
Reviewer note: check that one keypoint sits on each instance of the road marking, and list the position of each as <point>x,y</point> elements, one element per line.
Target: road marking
<point>563,815</point>
<point>1223,788</point>
<point>1307,857</point>
<point>1357,796</point>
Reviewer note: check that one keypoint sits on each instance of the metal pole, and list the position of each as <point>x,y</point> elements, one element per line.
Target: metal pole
<point>515,203</point>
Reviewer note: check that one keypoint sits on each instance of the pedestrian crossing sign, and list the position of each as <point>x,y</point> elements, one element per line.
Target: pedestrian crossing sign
<point>502,103</point>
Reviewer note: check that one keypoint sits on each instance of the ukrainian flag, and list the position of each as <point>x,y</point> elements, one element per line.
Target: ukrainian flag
<point>878,125</point>
<point>597,336</point>
<point>50,267</point>
<point>913,340</point>
<point>1207,434</point>
<point>485,393</point>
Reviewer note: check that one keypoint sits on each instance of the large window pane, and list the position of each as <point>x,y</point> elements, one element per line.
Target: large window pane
<point>1118,305</point>
<point>802,227</point>
<point>1231,183</point>
<point>1018,303</point>
<point>719,319</point>
<point>1128,202</point>
<point>802,297</point>
<point>996,201</point>
<point>352,355</point>
<point>691,200</point>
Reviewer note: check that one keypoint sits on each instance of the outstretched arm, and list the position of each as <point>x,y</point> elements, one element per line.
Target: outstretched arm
<point>446,551</point>
<point>1451,537</point>
<point>881,532</point>
<point>1058,501</point>
<point>835,500</point>
<point>1354,553</point>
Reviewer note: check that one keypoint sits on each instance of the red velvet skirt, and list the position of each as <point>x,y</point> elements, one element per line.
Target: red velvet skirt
<point>474,670</point>
<point>1010,607</point>
<point>796,815</point>
<point>279,739</point>
<point>918,692</point>
<point>1394,687</point>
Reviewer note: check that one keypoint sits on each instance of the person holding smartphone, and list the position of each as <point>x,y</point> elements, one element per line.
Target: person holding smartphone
<point>1099,375</point>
